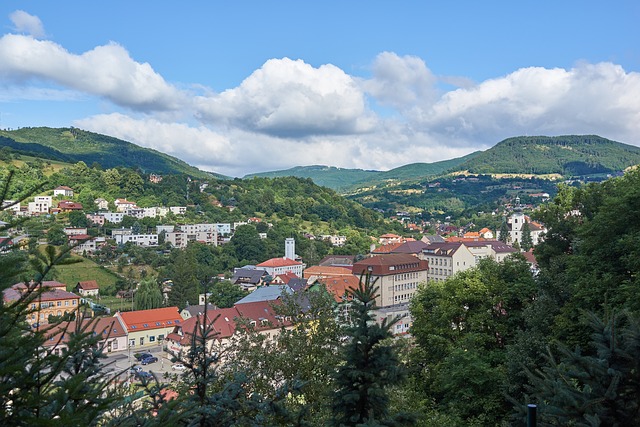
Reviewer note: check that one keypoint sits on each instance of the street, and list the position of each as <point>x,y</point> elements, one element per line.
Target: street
<point>121,361</point>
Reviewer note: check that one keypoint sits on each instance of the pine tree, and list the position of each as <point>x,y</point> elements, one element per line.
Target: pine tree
<point>503,233</point>
<point>526,242</point>
<point>369,366</point>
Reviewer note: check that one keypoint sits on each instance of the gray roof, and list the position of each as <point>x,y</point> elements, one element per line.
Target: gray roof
<point>266,293</point>
<point>245,275</point>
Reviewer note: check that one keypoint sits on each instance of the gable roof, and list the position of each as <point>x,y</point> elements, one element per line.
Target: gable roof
<point>338,286</point>
<point>387,248</point>
<point>141,320</point>
<point>410,247</point>
<point>389,264</point>
<point>88,285</point>
<point>337,261</point>
<point>278,262</point>
<point>266,293</point>
<point>248,275</point>
<point>325,271</point>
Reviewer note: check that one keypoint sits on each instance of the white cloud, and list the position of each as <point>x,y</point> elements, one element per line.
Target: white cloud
<point>401,82</point>
<point>107,71</point>
<point>588,99</point>
<point>289,98</point>
<point>27,24</point>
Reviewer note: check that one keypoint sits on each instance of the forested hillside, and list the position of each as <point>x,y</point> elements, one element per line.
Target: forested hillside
<point>73,145</point>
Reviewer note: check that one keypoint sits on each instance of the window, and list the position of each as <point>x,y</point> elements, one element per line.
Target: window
<point>146,325</point>
<point>33,306</point>
<point>59,304</point>
<point>133,326</point>
<point>160,337</point>
<point>152,338</point>
<point>169,322</point>
<point>132,343</point>
<point>75,302</point>
<point>66,303</point>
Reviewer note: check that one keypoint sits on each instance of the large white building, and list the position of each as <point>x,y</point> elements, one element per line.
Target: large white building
<point>137,239</point>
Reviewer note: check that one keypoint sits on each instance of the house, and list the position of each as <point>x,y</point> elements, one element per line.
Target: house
<point>63,191</point>
<point>96,219</point>
<point>390,238</point>
<point>284,278</point>
<point>113,335</point>
<point>101,203</point>
<point>40,205</point>
<point>337,286</point>
<point>276,266</point>
<point>81,243</point>
<point>266,293</point>
<point>178,210</point>
<point>195,310</point>
<point>155,179</point>
<point>146,328</point>
<point>486,233</point>
<point>516,222</point>
<point>124,204</point>
<point>396,275</point>
<point>386,248</point>
<point>335,240</point>
<point>49,298</point>
<point>88,288</point>
<point>248,279</point>
<point>411,247</point>
<point>74,231</point>
<point>113,217</point>
<point>144,240</point>
<point>345,261</point>
<point>68,206</point>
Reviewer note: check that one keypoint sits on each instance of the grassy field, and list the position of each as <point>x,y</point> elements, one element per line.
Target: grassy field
<point>84,270</point>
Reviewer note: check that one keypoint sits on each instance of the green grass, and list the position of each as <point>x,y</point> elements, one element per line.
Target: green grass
<point>70,274</point>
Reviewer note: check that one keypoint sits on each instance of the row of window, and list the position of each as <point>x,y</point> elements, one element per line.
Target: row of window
<point>407,276</point>
<point>53,304</point>
<point>404,287</point>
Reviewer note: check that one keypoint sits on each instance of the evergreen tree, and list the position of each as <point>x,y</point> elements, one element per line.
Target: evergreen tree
<point>526,243</point>
<point>185,281</point>
<point>503,232</point>
<point>369,366</point>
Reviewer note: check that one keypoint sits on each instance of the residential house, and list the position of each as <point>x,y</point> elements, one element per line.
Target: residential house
<point>178,210</point>
<point>83,243</point>
<point>390,238</point>
<point>146,328</point>
<point>319,272</point>
<point>411,247</point>
<point>113,217</point>
<point>40,205</point>
<point>335,240</point>
<point>155,179</point>
<point>345,261</point>
<point>397,276</point>
<point>266,293</point>
<point>144,240</point>
<point>337,286</point>
<point>96,219</point>
<point>63,191</point>
<point>123,204</point>
<point>101,203</point>
<point>195,310</point>
<point>113,336</point>
<point>49,298</point>
<point>69,206</point>
<point>87,288</point>
<point>486,233</point>
<point>74,231</point>
<point>249,278</point>
<point>276,266</point>
<point>11,206</point>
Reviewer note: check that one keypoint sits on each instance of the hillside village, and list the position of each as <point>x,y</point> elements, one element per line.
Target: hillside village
<point>398,264</point>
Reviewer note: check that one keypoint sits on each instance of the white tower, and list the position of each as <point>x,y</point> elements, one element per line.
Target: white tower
<point>290,248</point>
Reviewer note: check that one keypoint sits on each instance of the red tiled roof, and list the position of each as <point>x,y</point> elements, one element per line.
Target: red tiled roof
<point>88,285</point>
<point>141,320</point>
<point>386,249</point>
<point>286,277</point>
<point>338,286</point>
<point>320,270</point>
<point>278,262</point>
<point>107,326</point>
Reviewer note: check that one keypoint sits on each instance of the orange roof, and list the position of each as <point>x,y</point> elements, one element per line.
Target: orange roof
<point>141,320</point>
<point>485,230</point>
<point>389,236</point>
<point>386,249</point>
<point>278,262</point>
<point>338,286</point>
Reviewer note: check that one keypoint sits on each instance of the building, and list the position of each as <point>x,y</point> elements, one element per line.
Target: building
<point>124,204</point>
<point>319,271</point>
<point>446,259</point>
<point>69,206</point>
<point>146,328</point>
<point>40,205</point>
<point>101,203</point>
<point>88,288</point>
<point>178,210</point>
<point>63,191</point>
<point>113,217</point>
<point>83,243</point>
<point>49,298</point>
<point>144,240</point>
<point>277,266</point>
<point>249,278</point>
<point>397,276</point>
<point>516,222</point>
<point>96,219</point>
<point>266,293</point>
<point>113,336</point>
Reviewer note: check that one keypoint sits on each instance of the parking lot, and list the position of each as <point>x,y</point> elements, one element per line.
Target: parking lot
<point>123,361</point>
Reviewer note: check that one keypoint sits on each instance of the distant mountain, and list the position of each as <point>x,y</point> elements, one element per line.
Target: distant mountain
<point>73,145</point>
<point>571,155</point>
<point>341,179</point>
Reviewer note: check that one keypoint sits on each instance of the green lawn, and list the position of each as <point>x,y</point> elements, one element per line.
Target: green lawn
<point>86,269</point>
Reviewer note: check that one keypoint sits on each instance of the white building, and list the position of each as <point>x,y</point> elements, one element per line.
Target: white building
<point>40,204</point>
<point>178,210</point>
<point>113,217</point>
<point>63,191</point>
<point>137,239</point>
<point>276,266</point>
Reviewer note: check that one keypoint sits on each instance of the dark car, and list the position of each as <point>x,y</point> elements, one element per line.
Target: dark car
<point>140,356</point>
<point>148,360</point>
<point>143,375</point>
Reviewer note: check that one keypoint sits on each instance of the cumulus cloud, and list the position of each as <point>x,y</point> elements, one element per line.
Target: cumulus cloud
<point>288,98</point>
<point>27,24</point>
<point>589,98</point>
<point>107,71</point>
<point>401,82</point>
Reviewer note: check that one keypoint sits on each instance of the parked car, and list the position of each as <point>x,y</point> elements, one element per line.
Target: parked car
<point>178,367</point>
<point>143,375</point>
<point>140,356</point>
<point>134,370</point>
<point>148,360</point>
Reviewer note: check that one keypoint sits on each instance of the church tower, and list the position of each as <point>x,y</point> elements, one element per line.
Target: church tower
<point>290,248</point>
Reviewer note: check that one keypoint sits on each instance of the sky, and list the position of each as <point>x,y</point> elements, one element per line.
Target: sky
<point>250,86</point>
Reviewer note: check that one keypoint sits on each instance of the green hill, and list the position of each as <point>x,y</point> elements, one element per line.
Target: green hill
<point>72,145</point>
<point>572,155</point>
<point>341,179</point>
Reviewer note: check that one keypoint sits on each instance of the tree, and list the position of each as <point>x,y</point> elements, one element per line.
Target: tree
<point>369,367</point>
<point>56,235</point>
<point>526,242</point>
<point>503,232</point>
<point>246,244</point>
<point>78,219</point>
<point>148,294</point>
<point>185,281</point>
<point>225,294</point>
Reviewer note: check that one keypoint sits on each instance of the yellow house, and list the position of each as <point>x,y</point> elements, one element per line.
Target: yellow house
<point>146,328</point>
<point>45,299</point>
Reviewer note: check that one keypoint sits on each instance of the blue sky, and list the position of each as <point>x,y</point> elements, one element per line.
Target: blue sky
<point>248,86</point>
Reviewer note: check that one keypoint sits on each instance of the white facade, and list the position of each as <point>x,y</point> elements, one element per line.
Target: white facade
<point>113,217</point>
<point>137,239</point>
<point>223,228</point>
<point>446,259</point>
<point>290,248</point>
<point>13,208</point>
<point>40,204</point>
<point>178,210</point>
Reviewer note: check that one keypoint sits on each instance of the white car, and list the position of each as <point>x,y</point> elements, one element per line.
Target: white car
<point>178,367</point>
